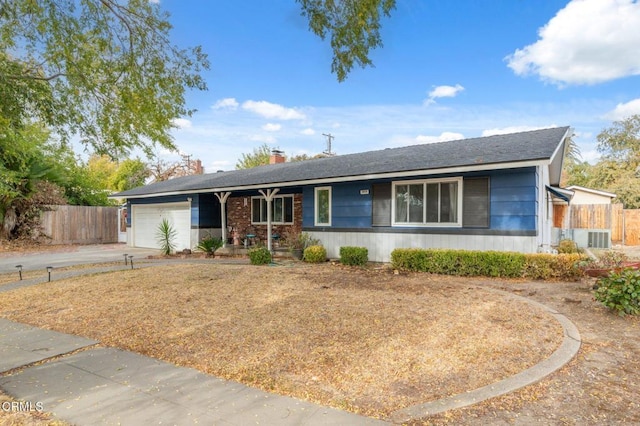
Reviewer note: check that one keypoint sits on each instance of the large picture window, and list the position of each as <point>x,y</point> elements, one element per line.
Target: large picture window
<point>429,202</point>
<point>323,206</point>
<point>281,210</point>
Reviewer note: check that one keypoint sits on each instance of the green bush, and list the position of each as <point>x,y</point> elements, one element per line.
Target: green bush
<point>259,255</point>
<point>459,262</point>
<point>568,247</point>
<point>209,244</point>
<point>541,266</point>
<point>620,291</point>
<point>315,254</point>
<point>487,263</point>
<point>355,256</point>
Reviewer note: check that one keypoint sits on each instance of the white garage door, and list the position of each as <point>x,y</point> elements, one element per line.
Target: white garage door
<point>146,218</point>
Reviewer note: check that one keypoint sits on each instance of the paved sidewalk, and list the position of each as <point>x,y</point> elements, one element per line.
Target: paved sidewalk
<point>69,256</point>
<point>111,386</point>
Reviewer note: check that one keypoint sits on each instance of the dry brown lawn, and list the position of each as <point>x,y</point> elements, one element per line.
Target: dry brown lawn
<point>367,341</point>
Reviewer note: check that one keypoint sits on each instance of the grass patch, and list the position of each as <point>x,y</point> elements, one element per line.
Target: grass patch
<point>367,341</point>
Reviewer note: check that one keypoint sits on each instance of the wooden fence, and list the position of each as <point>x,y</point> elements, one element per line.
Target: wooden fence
<point>81,224</point>
<point>623,223</point>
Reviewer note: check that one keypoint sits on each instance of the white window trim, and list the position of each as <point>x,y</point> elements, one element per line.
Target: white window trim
<point>293,208</point>
<point>315,205</point>
<point>457,224</point>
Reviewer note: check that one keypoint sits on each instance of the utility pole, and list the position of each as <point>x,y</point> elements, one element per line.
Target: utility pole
<point>188,160</point>
<point>329,137</point>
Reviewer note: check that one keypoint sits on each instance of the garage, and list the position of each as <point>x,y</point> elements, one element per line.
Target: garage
<point>145,220</point>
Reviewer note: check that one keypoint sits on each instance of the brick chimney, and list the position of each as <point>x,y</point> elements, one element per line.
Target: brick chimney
<point>276,157</point>
<point>198,168</point>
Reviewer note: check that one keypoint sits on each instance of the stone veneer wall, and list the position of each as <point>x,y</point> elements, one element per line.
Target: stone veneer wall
<point>239,217</point>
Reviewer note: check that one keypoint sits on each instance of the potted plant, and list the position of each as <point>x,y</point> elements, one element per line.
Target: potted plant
<point>298,242</point>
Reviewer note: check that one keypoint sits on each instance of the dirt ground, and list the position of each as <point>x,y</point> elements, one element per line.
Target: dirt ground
<point>600,386</point>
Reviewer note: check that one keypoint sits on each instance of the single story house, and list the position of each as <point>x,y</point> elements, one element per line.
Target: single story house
<point>487,193</point>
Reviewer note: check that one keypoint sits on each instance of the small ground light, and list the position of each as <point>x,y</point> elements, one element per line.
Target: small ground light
<point>49,269</point>
<point>125,259</point>
<point>19,267</point>
<point>131,260</point>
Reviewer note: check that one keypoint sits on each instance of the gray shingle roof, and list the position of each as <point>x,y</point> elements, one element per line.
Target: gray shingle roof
<point>515,147</point>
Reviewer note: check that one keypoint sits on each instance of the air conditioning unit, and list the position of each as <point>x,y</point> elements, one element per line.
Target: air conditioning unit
<point>599,239</point>
<point>587,238</point>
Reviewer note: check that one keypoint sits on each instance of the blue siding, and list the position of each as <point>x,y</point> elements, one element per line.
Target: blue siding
<point>513,201</point>
<point>349,209</point>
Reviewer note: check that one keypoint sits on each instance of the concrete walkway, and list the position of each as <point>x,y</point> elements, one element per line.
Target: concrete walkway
<point>109,386</point>
<point>85,384</point>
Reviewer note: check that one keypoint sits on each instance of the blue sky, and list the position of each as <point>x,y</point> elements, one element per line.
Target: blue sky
<point>447,70</point>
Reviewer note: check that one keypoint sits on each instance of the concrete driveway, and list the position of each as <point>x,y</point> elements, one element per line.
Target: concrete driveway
<point>72,255</point>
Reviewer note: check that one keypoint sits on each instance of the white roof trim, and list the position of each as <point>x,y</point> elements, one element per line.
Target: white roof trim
<point>389,175</point>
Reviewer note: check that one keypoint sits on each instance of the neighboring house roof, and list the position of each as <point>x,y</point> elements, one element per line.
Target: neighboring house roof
<point>467,154</point>
<point>591,191</point>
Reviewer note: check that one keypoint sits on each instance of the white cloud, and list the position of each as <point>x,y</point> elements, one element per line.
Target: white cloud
<point>272,127</point>
<point>443,92</point>
<point>444,136</point>
<point>308,131</point>
<point>513,129</point>
<point>226,103</point>
<point>269,110</point>
<point>587,42</point>
<point>181,123</point>
<point>262,138</point>
<point>622,111</point>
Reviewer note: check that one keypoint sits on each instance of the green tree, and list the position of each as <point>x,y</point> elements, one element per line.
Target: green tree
<point>619,169</point>
<point>353,27</point>
<point>130,173</point>
<point>23,163</point>
<point>105,70</point>
<point>258,157</point>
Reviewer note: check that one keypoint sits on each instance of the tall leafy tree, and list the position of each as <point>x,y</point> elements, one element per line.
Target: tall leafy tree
<point>619,169</point>
<point>130,173</point>
<point>105,70</point>
<point>23,163</point>
<point>353,27</point>
<point>258,157</point>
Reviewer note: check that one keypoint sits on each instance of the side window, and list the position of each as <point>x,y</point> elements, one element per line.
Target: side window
<point>323,206</point>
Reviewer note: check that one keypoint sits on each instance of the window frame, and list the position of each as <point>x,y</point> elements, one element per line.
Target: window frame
<point>424,183</point>
<point>263,202</point>
<point>315,206</point>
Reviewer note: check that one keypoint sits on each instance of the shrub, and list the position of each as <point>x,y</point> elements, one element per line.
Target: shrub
<point>487,263</point>
<point>568,247</point>
<point>357,256</point>
<point>620,291</point>
<point>315,254</point>
<point>541,266</point>
<point>209,244</point>
<point>166,235</point>
<point>459,262</point>
<point>259,255</point>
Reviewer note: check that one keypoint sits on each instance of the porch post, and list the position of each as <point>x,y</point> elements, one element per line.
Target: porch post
<point>268,196</point>
<point>222,197</point>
